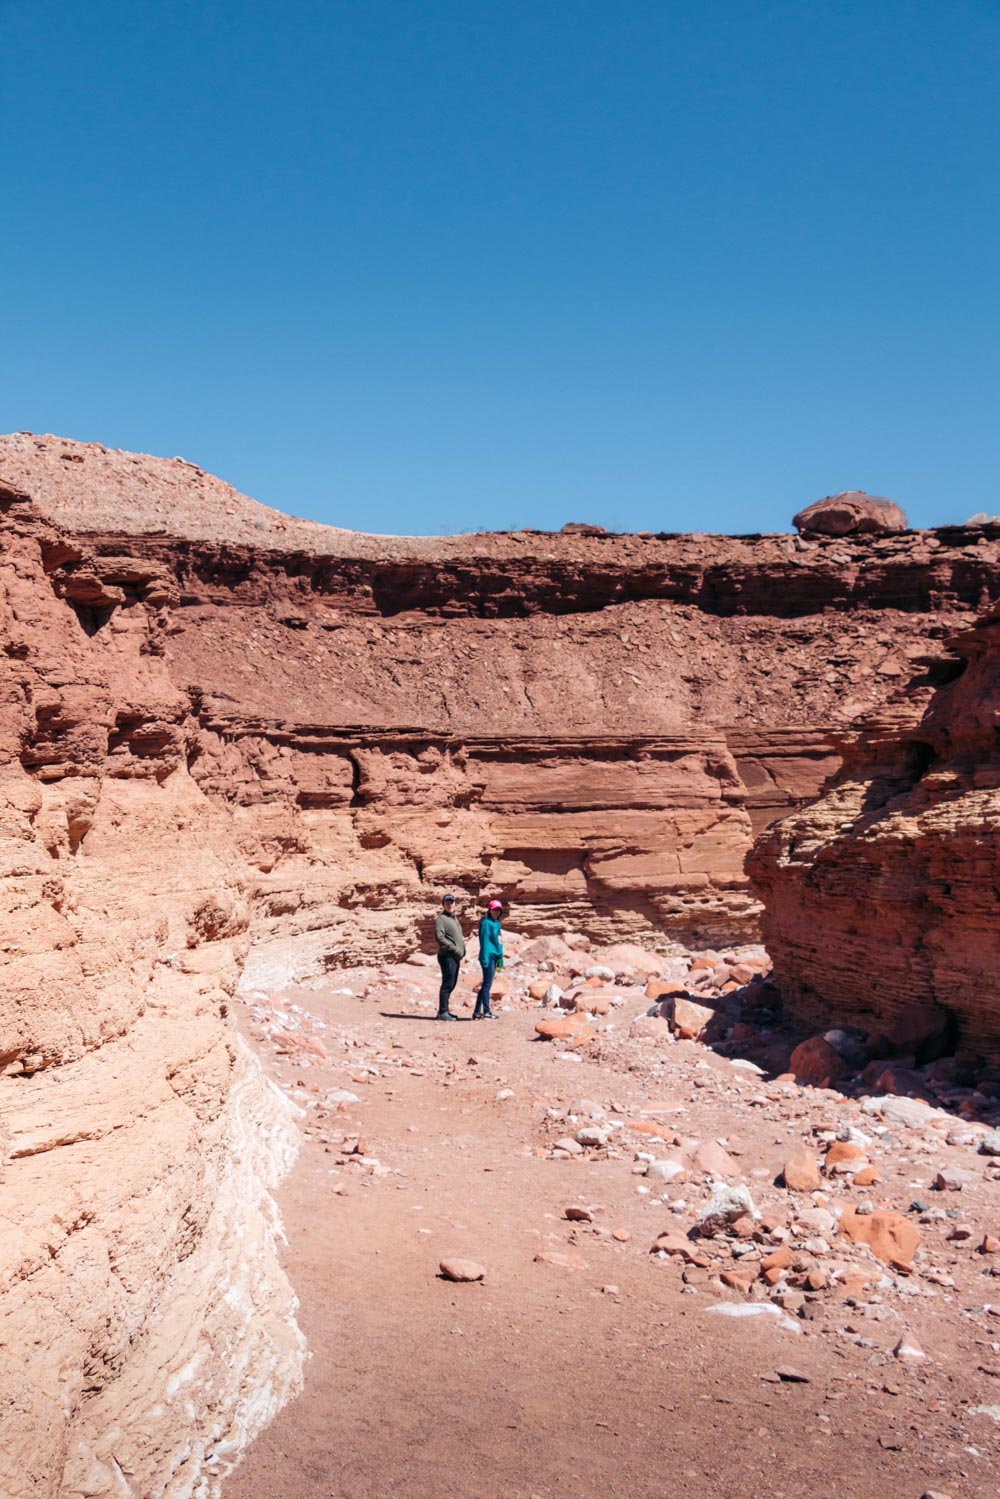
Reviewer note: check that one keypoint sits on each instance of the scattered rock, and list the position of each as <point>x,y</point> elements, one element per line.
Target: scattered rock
<point>952,1179</point>
<point>909,1351</point>
<point>815,1062</point>
<point>461,1270</point>
<point>559,1260</point>
<point>725,1205</point>
<point>891,1237</point>
<point>801,1171</point>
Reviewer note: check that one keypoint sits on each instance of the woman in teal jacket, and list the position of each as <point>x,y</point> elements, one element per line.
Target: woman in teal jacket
<point>490,955</point>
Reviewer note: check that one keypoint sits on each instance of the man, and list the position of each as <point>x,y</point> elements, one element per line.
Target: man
<point>451,951</point>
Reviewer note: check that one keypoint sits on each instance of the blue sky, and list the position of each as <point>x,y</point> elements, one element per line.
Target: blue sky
<point>437,265</point>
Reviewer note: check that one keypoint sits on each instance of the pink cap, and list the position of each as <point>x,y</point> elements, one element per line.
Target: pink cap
<point>495,905</point>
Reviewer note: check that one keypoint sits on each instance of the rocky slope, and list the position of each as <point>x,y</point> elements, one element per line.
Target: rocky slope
<point>884,893</point>
<point>228,733</point>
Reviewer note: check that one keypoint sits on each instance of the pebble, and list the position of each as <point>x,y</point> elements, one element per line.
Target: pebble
<point>801,1171</point>
<point>461,1270</point>
<point>909,1351</point>
<point>560,1260</point>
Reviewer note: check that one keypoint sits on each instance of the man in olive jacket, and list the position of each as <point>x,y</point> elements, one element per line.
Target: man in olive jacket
<point>451,951</point>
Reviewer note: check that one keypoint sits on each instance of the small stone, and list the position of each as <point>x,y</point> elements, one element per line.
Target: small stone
<point>725,1205</point>
<point>461,1270</point>
<point>678,1247</point>
<point>990,1144</point>
<point>738,1280</point>
<point>579,1214</point>
<point>842,1151</point>
<point>909,1351</point>
<point>568,1146</point>
<point>561,1261</point>
<point>793,1376</point>
<point>690,1021</point>
<point>801,1171</point>
<point>891,1237</point>
<point>815,1063</point>
<point>952,1179</point>
<point>621,1234</point>
<point>990,1244</point>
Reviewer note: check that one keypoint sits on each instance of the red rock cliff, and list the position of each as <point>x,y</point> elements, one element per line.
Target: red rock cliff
<point>886,891</point>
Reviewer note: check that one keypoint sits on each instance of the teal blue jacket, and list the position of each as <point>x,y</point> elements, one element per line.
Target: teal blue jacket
<point>490,945</point>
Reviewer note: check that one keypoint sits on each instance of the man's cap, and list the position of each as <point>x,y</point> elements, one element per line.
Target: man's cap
<point>446,898</point>
<point>495,905</point>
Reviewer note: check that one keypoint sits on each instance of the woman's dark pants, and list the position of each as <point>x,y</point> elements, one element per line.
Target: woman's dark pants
<point>483,997</point>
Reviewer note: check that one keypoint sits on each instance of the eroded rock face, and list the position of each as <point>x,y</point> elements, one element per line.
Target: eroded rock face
<point>146,1327</point>
<point>881,896</point>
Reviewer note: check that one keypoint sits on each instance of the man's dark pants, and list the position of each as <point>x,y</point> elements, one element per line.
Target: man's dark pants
<point>449,978</point>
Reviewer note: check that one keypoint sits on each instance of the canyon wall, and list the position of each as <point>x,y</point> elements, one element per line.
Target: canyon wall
<point>236,742</point>
<point>146,1327</point>
<point>885,893</point>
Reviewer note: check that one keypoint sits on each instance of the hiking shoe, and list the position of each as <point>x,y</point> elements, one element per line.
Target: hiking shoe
<point>446,1015</point>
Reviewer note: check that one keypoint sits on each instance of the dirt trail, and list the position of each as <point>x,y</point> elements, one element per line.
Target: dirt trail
<point>541,1381</point>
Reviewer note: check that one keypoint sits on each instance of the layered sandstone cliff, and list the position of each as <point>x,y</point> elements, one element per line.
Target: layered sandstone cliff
<point>230,738</point>
<point>885,893</point>
<point>145,1325</point>
<point>594,726</point>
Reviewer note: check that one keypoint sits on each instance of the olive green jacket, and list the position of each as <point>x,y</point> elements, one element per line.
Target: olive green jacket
<point>449,935</point>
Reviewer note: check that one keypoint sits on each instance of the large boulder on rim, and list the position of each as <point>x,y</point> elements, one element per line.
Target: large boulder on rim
<point>851,513</point>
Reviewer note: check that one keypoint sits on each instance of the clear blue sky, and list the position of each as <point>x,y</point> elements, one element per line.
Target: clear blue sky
<point>434,265</point>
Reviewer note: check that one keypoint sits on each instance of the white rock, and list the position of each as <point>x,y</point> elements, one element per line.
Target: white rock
<point>725,1205</point>
<point>909,1351</point>
<point>666,1170</point>
<point>756,1309</point>
<point>908,1112</point>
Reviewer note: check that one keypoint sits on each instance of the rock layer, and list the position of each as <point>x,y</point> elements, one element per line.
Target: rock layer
<point>883,894</point>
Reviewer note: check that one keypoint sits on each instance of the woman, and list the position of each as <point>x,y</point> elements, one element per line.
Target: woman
<point>490,955</point>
